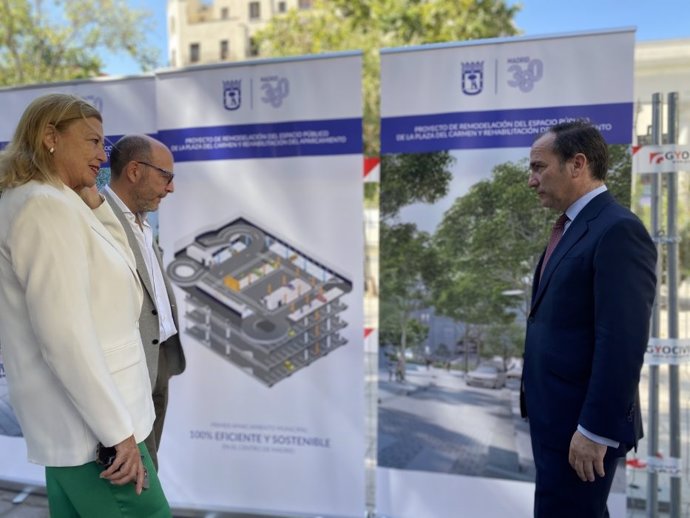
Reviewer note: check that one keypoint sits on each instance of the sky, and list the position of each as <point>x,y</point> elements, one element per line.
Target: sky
<point>653,19</point>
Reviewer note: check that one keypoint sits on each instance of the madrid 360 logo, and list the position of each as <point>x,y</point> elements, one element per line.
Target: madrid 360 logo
<point>232,94</point>
<point>275,90</point>
<point>473,77</point>
<point>524,73</point>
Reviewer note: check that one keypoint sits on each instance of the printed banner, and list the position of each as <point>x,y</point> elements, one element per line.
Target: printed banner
<point>667,351</point>
<point>457,124</point>
<point>668,158</point>
<point>671,466</point>
<point>503,93</point>
<point>263,242</point>
<point>127,106</point>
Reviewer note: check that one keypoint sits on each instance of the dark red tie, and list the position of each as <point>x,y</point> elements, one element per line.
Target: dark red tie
<point>556,235</point>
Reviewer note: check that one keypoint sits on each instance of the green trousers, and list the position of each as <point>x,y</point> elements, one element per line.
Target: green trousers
<point>79,492</point>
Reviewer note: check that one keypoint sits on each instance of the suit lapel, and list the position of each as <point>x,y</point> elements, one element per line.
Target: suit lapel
<point>98,227</point>
<point>134,245</point>
<point>577,231</point>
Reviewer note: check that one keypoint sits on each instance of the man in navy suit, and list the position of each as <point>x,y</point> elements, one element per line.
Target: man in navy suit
<point>588,327</point>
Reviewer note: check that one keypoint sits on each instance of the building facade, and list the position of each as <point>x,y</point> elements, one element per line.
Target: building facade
<point>222,30</point>
<point>662,66</point>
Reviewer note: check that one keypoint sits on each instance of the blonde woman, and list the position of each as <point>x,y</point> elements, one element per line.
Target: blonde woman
<point>69,305</point>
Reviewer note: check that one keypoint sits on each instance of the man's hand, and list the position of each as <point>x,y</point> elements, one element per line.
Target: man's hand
<point>91,196</point>
<point>127,466</point>
<point>586,457</point>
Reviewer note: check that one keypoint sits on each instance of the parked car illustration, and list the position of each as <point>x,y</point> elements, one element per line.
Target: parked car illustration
<point>486,375</point>
<point>515,372</point>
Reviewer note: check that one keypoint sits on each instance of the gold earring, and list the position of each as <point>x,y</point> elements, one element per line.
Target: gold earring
<point>51,150</point>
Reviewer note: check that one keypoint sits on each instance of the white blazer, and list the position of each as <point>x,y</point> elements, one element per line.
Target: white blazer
<point>69,307</point>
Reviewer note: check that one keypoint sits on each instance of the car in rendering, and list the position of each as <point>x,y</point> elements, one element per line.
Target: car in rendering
<point>486,375</point>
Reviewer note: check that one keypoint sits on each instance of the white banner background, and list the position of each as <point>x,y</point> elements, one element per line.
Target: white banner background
<point>313,203</point>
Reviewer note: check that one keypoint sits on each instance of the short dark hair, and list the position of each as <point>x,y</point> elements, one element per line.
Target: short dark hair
<point>580,136</point>
<point>128,148</point>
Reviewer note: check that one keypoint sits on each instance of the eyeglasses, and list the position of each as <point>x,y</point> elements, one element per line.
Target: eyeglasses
<point>168,175</point>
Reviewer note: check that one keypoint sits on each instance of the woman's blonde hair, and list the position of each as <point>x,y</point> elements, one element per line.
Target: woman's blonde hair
<point>26,157</point>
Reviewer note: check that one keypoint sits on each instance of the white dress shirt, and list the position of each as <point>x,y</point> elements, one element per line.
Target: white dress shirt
<point>144,234</point>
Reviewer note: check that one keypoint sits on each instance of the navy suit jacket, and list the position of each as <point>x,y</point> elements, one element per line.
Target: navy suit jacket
<point>588,328</point>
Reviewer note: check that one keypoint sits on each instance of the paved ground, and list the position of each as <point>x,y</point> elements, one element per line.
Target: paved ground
<point>34,506</point>
<point>434,422</point>
<point>16,503</point>
<point>491,437</point>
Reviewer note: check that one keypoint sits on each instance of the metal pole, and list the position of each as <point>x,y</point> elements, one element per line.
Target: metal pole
<point>653,427</point>
<point>672,282</point>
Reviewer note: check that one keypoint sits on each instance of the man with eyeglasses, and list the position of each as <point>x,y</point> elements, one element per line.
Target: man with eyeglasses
<point>140,177</point>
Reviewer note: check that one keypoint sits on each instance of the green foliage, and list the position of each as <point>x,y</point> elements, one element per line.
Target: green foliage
<point>408,262</point>
<point>406,334</point>
<point>488,243</point>
<point>372,195</point>
<point>389,327</point>
<point>490,240</point>
<point>504,340</point>
<point>59,41</point>
<point>406,266</point>
<point>619,175</point>
<point>405,261</point>
<point>411,178</point>
<point>684,252</point>
<point>416,333</point>
<point>642,206</point>
<point>368,25</point>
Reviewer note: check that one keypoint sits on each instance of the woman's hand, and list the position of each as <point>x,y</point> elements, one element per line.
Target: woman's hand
<point>91,196</point>
<point>127,466</point>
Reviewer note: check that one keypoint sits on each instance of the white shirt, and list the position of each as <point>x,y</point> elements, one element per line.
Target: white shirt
<point>144,234</point>
<point>580,204</point>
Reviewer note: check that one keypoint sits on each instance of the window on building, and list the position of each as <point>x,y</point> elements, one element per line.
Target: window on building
<point>254,10</point>
<point>224,50</point>
<point>282,7</point>
<point>173,59</point>
<point>224,13</point>
<point>172,25</point>
<point>253,49</point>
<point>304,4</point>
<point>194,52</point>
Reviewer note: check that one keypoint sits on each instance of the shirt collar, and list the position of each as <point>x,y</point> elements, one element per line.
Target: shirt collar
<point>581,202</point>
<point>140,216</point>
